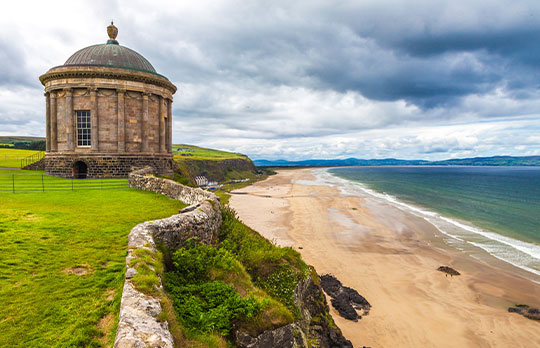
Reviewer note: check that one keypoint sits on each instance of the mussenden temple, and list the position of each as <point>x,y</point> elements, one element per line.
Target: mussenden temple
<point>108,112</point>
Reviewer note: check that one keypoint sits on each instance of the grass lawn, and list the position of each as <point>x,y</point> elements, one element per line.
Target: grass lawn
<point>195,152</point>
<point>24,181</point>
<point>11,158</point>
<point>62,262</point>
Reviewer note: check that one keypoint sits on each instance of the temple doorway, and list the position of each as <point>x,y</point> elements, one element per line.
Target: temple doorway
<point>80,170</point>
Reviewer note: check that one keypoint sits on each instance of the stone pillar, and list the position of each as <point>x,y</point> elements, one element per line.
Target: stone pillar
<point>169,125</point>
<point>54,128</point>
<point>48,122</point>
<point>121,120</point>
<point>145,122</point>
<point>70,127</point>
<point>162,125</point>
<point>94,136</point>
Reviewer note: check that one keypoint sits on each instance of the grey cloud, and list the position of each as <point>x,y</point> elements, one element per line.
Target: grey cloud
<point>314,77</point>
<point>375,50</point>
<point>13,70</point>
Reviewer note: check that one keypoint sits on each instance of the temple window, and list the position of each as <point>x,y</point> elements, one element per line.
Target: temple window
<point>83,128</point>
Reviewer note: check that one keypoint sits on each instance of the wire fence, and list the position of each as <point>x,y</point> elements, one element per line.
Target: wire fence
<point>16,183</point>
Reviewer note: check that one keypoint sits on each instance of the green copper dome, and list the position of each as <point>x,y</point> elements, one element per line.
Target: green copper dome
<point>111,55</point>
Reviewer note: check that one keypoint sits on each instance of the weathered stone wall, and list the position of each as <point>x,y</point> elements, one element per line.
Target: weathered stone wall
<point>171,189</point>
<point>106,165</point>
<point>107,115</point>
<point>138,324</point>
<point>39,165</point>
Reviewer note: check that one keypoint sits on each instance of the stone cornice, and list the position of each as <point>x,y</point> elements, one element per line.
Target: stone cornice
<point>63,72</point>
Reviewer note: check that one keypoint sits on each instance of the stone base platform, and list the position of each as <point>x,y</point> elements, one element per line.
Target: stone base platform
<point>104,165</point>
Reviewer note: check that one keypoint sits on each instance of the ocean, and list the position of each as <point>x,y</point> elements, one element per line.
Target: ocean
<point>495,209</point>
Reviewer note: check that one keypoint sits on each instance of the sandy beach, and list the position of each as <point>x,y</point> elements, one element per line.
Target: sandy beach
<point>391,258</point>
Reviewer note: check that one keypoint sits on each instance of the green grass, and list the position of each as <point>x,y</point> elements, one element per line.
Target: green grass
<point>11,158</point>
<point>194,152</point>
<point>24,181</point>
<point>46,236</point>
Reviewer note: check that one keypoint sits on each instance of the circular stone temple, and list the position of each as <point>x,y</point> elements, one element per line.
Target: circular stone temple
<point>108,112</point>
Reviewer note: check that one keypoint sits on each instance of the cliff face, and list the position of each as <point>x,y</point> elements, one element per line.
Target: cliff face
<point>315,328</point>
<point>215,170</point>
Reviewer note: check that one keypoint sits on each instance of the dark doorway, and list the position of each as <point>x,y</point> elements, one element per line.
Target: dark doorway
<point>80,170</point>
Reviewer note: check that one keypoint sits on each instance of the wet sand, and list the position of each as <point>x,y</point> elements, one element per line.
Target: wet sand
<point>390,257</point>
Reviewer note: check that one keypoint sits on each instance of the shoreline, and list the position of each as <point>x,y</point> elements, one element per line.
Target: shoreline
<point>391,257</point>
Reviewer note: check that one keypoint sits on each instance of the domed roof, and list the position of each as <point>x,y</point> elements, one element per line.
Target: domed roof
<point>111,54</point>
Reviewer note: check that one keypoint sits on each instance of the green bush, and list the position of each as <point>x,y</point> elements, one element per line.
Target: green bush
<point>204,304</point>
<point>211,306</point>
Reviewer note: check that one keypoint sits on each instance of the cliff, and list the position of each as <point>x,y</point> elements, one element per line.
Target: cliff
<point>221,166</point>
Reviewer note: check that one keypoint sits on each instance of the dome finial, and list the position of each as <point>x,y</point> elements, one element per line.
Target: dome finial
<point>112,31</point>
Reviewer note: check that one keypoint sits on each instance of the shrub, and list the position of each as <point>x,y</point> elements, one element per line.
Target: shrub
<point>204,304</point>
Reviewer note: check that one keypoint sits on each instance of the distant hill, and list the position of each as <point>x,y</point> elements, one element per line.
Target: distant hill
<point>8,139</point>
<point>477,161</point>
<point>26,143</point>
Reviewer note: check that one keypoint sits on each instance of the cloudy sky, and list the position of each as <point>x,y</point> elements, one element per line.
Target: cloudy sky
<point>305,79</point>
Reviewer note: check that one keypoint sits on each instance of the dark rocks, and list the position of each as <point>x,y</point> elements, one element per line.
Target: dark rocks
<point>287,336</point>
<point>344,299</point>
<point>526,311</point>
<point>448,270</point>
<point>344,308</point>
<point>312,303</point>
<point>315,328</point>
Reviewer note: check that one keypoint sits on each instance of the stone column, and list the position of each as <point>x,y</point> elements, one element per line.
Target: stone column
<point>145,122</point>
<point>54,128</point>
<point>162,127</point>
<point>169,125</point>
<point>48,122</point>
<point>121,120</point>
<point>94,120</point>
<point>70,127</point>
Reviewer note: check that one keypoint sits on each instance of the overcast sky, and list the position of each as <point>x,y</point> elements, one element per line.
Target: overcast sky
<point>305,79</point>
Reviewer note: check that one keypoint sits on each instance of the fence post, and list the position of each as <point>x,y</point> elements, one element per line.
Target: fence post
<point>42,183</point>
<point>13,181</point>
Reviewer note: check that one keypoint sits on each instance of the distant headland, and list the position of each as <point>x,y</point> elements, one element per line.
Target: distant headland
<point>476,161</point>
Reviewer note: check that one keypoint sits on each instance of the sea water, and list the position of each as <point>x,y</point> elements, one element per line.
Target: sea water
<point>496,209</point>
